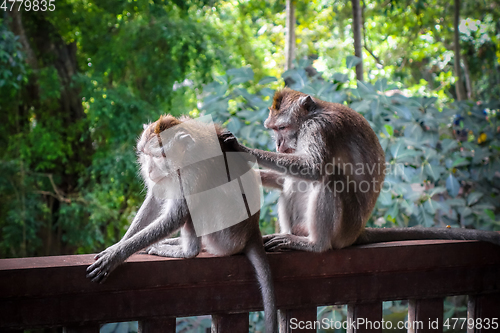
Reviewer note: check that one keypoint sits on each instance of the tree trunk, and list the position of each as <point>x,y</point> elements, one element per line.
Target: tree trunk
<point>356,28</point>
<point>459,84</point>
<point>290,35</point>
<point>468,83</point>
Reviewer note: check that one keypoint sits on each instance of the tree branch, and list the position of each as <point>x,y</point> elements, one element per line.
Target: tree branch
<point>364,38</point>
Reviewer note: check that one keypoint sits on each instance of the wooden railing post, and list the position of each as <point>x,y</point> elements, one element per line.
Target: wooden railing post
<point>157,325</point>
<point>483,310</point>
<point>425,315</point>
<point>230,323</point>
<point>290,318</point>
<point>87,328</point>
<point>368,313</point>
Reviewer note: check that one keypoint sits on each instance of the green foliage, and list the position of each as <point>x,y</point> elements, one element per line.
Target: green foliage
<point>442,164</point>
<point>69,179</point>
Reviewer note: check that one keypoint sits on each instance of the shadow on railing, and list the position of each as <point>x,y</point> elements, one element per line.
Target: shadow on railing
<point>53,291</point>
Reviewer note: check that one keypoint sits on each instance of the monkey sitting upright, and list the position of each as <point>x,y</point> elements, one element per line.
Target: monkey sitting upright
<point>329,166</point>
<point>174,187</point>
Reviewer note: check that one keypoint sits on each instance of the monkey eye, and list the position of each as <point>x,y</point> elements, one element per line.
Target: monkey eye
<point>281,128</point>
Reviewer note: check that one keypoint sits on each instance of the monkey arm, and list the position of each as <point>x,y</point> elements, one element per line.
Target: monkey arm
<point>305,166</point>
<point>172,218</point>
<point>149,211</point>
<point>272,179</point>
<point>294,165</point>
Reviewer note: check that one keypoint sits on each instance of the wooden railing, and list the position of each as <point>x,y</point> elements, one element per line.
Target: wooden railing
<point>53,291</point>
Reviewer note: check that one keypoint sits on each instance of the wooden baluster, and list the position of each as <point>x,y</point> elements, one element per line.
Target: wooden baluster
<point>367,315</point>
<point>157,325</point>
<point>86,328</point>
<point>483,309</point>
<point>230,323</point>
<point>304,315</point>
<point>425,315</point>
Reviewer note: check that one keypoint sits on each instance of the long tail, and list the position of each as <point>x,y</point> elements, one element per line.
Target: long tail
<point>378,235</point>
<point>257,256</point>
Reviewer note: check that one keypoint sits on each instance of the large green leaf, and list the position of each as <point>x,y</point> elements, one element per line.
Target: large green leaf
<point>381,85</point>
<point>425,217</point>
<point>240,75</point>
<point>234,125</point>
<point>434,171</point>
<point>267,80</point>
<point>413,130</point>
<point>461,161</point>
<point>430,206</point>
<point>474,197</point>
<point>447,145</point>
<point>452,185</point>
<point>365,88</point>
<point>352,61</point>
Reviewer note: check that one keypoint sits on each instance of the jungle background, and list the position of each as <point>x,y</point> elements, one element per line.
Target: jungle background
<point>78,82</point>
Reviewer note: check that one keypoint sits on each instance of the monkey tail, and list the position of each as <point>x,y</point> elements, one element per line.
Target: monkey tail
<point>378,235</point>
<point>257,256</point>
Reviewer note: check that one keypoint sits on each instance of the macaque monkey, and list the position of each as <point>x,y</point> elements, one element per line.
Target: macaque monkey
<point>162,214</point>
<point>329,166</point>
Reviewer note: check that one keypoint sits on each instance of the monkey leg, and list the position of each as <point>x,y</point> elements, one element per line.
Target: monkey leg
<point>168,241</point>
<point>172,251</point>
<point>185,246</point>
<point>322,208</point>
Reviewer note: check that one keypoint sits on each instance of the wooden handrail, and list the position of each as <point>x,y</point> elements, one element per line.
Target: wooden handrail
<point>53,291</point>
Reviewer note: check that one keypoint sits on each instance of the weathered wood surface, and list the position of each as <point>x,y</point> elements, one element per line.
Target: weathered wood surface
<point>47,291</point>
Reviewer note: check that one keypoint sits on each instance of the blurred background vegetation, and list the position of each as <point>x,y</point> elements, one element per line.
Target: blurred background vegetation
<point>77,83</point>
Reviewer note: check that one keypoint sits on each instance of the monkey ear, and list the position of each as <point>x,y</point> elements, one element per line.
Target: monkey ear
<point>185,138</point>
<point>307,103</point>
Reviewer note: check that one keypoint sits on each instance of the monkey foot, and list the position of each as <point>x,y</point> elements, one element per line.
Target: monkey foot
<point>286,242</point>
<point>267,238</point>
<point>277,242</point>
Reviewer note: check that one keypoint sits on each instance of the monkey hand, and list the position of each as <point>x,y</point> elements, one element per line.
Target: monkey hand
<point>106,262</point>
<point>230,141</point>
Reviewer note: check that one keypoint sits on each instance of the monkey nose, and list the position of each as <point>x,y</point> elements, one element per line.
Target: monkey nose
<point>279,144</point>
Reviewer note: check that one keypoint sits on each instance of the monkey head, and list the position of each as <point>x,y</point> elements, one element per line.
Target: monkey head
<point>289,110</point>
<point>156,143</point>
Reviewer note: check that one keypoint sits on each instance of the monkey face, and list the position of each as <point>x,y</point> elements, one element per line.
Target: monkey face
<point>289,109</point>
<point>286,139</point>
<point>165,153</point>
